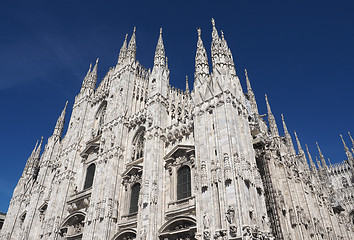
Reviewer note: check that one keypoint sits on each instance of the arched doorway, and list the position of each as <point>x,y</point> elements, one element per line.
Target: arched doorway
<point>72,227</point>
<point>128,234</point>
<point>178,228</point>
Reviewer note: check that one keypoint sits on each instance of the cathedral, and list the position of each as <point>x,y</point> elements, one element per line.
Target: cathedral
<point>144,160</point>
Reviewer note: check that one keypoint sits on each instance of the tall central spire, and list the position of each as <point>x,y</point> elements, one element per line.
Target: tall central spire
<point>272,123</point>
<point>160,59</point>
<point>201,61</point>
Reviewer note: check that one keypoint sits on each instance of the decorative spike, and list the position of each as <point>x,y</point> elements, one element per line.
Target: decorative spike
<point>123,51</point>
<point>131,52</point>
<point>288,137</point>
<point>272,123</point>
<point>216,43</point>
<point>351,139</point>
<point>201,62</point>
<point>318,163</point>
<point>347,151</point>
<point>58,130</point>
<point>301,152</point>
<point>329,161</point>
<point>312,164</point>
<point>187,86</point>
<point>159,59</point>
<point>251,96</point>
<point>323,160</point>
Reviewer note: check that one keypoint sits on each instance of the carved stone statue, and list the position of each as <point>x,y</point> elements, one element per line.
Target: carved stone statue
<point>230,214</point>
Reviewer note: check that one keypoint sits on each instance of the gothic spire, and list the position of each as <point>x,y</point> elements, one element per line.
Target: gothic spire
<point>201,61</point>
<point>123,51</point>
<point>272,123</point>
<point>91,80</point>
<point>215,45</point>
<point>131,53</point>
<point>288,137</point>
<point>160,59</point>
<point>187,86</point>
<point>351,139</point>
<point>58,130</point>
<point>301,152</point>
<point>323,160</point>
<point>347,152</point>
<point>312,164</point>
<point>251,96</point>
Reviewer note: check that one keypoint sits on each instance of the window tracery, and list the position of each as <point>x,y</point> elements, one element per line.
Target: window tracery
<point>138,144</point>
<point>90,174</point>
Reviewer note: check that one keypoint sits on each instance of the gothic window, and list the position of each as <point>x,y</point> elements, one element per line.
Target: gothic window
<point>183,182</point>
<point>138,145</point>
<point>345,182</point>
<point>99,119</point>
<point>90,174</point>
<point>134,198</point>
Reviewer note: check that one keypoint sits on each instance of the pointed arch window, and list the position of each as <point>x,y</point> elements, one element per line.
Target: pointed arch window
<point>134,198</point>
<point>90,174</point>
<point>183,182</point>
<point>99,119</point>
<point>138,144</point>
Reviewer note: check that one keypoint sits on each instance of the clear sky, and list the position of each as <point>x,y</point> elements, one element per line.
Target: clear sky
<point>299,53</point>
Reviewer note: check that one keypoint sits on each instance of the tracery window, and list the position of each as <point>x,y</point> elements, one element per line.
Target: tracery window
<point>134,198</point>
<point>138,145</point>
<point>99,119</point>
<point>90,174</point>
<point>345,182</point>
<point>183,182</point>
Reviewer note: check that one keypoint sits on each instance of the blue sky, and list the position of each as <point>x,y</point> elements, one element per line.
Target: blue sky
<point>299,53</point>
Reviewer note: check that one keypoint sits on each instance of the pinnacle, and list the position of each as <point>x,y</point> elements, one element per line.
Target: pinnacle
<point>159,59</point>
<point>187,86</point>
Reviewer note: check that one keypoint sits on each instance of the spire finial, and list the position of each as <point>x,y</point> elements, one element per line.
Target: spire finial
<point>159,59</point>
<point>187,86</point>
<point>201,62</point>
<point>298,144</point>
<point>312,164</point>
<point>347,152</point>
<point>351,138</point>
<point>59,126</point>
<point>213,22</point>
<point>131,52</point>
<point>123,51</point>
<point>272,123</point>
<point>323,160</point>
<point>289,141</point>
<point>250,94</point>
